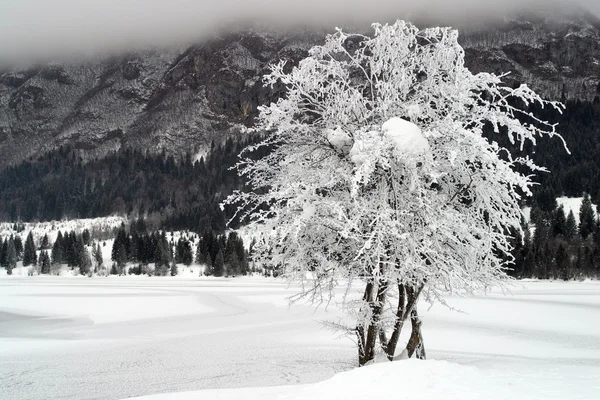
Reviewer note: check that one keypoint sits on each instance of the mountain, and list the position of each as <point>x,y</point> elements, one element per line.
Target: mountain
<point>181,99</point>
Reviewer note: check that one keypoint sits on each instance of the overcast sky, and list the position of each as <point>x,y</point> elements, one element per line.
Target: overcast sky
<point>32,29</point>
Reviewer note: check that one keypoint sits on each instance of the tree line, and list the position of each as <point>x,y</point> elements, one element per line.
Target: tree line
<point>221,254</point>
<point>175,194</point>
<point>555,246</point>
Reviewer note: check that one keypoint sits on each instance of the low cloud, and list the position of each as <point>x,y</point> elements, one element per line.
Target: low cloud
<point>41,29</point>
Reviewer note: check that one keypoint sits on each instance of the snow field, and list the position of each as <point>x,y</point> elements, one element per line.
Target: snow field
<point>111,338</point>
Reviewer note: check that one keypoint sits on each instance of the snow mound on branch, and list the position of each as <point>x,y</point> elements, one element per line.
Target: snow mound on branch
<point>406,136</point>
<point>339,139</point>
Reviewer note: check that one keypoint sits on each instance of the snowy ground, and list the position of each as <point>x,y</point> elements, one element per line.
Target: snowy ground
<point>111,338</point>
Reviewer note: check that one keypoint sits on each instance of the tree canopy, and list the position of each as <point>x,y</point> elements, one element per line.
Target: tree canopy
<point>379,173</point>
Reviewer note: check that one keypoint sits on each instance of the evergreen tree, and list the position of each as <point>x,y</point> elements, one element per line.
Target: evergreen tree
<point>86,237</point>
<point>186,252</point>
<point>29,253</point>
<point>57,250</point>
<point>97,255</point>
<point>218,266</point>
<point>562,263</point>
<point>179,251</point>
<point>11,256</point>
<point>86,262</point>
<point>570,226</point>
<point>202,252</point>
<point>162,256</point>
<point>578,269</point>
<point>120,257</point>
<point>587,219</point>
<point>174,270</point>
<point>18,247</point>
<point>44,262</point>
<point>4,253</point>
<point>559,222</point>
<point>230,255</point>
<point>70,252</point>
<point>45,243</point>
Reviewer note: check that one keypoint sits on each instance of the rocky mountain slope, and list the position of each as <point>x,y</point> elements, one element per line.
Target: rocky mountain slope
<point>180,99</point>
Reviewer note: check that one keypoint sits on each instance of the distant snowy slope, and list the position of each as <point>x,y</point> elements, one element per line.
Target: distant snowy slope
<point>569,204</point>
<point>51,228</point>
<point>573,204</point>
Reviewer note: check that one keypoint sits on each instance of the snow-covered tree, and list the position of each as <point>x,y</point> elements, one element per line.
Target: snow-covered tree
<point>378,176</point>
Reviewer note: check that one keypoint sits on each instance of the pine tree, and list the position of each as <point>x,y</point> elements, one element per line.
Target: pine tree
<point>80,253</point>
<point>44,262</point>
<point>122,239</point>
<point>11,256</point>
<point>85,267</point>
<point>562,263</point>
<point>174,270</point>
<point>559,222</point>
<point>4,253</point>
<point>202,252</point>
<point>18,247</point>
<point>186,253</point>
<point>162,256</point>
<point>29,253</point>
<point>45,243</point>
<point>120,259</point>
<point>571,226</point>
<point>86,237</point>
<point>57,250</point>
<point>179,251</point>
<point>97,255</point>
<point>587,219</point>
<point>218,266</point>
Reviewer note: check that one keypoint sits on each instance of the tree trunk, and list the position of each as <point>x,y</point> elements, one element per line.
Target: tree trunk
<point>367,338</point>
<point>415,345</point>
<point>393,342</point>
<point>360,329</point>
<point>407,301</point>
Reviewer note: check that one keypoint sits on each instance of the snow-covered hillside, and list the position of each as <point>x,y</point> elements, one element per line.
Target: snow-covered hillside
<point>569,204</point>
<point>103,225</point>
<point>573,204</point>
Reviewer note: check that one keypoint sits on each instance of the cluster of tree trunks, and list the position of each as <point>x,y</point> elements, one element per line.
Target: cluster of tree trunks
<point>374,299</point>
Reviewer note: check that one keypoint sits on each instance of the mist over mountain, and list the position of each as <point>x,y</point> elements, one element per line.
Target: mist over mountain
<point>39,30</point>
<point>98,95</point>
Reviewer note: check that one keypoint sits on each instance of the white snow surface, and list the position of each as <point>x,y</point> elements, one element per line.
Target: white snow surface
<point>411,379</point>
<point>82,338</point>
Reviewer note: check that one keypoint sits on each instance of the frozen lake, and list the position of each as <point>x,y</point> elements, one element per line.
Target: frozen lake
<point>111,338</point>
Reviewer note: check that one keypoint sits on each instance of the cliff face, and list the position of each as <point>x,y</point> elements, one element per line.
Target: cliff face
<point>556,54</point>
<point>179,100</point>
<point>175,100</point>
